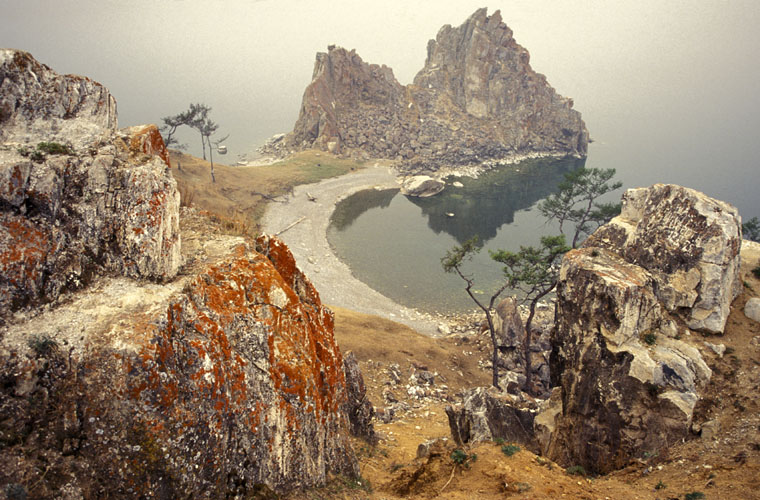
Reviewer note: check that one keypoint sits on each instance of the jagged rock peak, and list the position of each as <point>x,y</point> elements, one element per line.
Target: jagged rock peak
<point>37,104</point>
<point>477,98</point>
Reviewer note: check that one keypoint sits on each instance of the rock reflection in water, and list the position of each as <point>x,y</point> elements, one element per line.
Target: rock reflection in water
<point>394,243</point>
<point>485,204</point>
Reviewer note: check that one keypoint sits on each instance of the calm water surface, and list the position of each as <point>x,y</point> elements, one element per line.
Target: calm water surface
<point>394,243</point>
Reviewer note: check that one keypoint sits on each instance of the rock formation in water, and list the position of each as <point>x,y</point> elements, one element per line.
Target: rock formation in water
<point>208,386</point>
<point>626,375</point>
<point>477,98</point>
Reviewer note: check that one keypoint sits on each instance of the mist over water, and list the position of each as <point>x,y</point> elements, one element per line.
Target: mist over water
<point>668,90</point>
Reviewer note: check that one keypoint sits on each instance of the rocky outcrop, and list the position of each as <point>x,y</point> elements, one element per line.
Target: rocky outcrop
<point>688,242</point>
<point>38,104</point>
<point>207,387</point>
<point>629,380</point>
<point>629,385</point>
<point>218,385</point>
<point>476,98</point>
<point>100,201</point>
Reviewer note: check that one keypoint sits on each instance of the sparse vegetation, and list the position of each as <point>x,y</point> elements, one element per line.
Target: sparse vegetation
<point>576,470</point>
<point>42,345</point>
<point>461,457</point>
<point>751,229</point>
<point>54,148</point>
<point>510,449</point>
<point>694,495</point>
<point>649,338</point>
<point>660,485</point>
<point>43,149</point>
<point>247,190</point>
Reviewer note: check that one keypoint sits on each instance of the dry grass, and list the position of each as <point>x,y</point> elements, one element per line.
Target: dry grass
<point>243,192</point>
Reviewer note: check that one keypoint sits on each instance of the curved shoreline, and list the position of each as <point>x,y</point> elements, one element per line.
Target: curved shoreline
<point>302,225</point>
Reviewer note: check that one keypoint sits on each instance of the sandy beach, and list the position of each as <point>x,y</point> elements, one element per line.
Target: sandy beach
<point>302,224</point>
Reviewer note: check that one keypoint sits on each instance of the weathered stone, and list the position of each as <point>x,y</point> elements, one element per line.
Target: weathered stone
<point>358,408</point>
<point>109,207</point>
<point>752,309</point>
<point>37,104</point>
<point>486,414</point>
<point>476,79</point>
<point>689,243</point>
<point>201,390</point>
<point>421,186</point>
<point>627,387</point>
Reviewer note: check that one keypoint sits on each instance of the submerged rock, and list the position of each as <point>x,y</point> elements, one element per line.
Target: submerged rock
<point>421,186</point>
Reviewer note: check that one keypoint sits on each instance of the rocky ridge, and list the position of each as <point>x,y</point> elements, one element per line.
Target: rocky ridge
<point>476,99</point>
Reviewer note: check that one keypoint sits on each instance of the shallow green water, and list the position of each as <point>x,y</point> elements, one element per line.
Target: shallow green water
<point>394,243</point>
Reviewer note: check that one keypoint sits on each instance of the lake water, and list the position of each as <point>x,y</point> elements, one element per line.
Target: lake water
<point>394,243</point>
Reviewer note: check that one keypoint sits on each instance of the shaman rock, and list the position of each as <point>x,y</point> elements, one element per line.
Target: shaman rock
<point>206,387</point>
<point>476,98</point>
<point>689,243</point>
<point>628,385</point>
<point>102,202</point>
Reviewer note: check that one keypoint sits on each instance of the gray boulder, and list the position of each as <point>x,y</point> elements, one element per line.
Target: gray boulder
<point>689,243</point>
<point>628,385</point>
<point>752,309</point>
<point>485,414</point>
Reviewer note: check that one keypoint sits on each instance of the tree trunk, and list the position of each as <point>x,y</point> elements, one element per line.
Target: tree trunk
<point>495,351</point>
<point>211,156</point>
<point>203,145</point>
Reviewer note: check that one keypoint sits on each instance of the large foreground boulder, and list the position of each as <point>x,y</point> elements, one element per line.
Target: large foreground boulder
<point>689,243</point>
<point>207,389</point>
<point>628,384</point>
<point>134,381</point>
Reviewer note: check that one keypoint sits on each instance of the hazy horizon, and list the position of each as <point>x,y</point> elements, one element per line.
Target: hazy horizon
<point>671,85</point>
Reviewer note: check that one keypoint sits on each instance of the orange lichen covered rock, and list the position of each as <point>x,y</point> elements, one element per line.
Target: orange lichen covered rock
<point>146,139</point>
<point>236,381</point>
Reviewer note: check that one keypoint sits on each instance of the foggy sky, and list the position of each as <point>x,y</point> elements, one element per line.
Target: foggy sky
<point>669,85</point>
